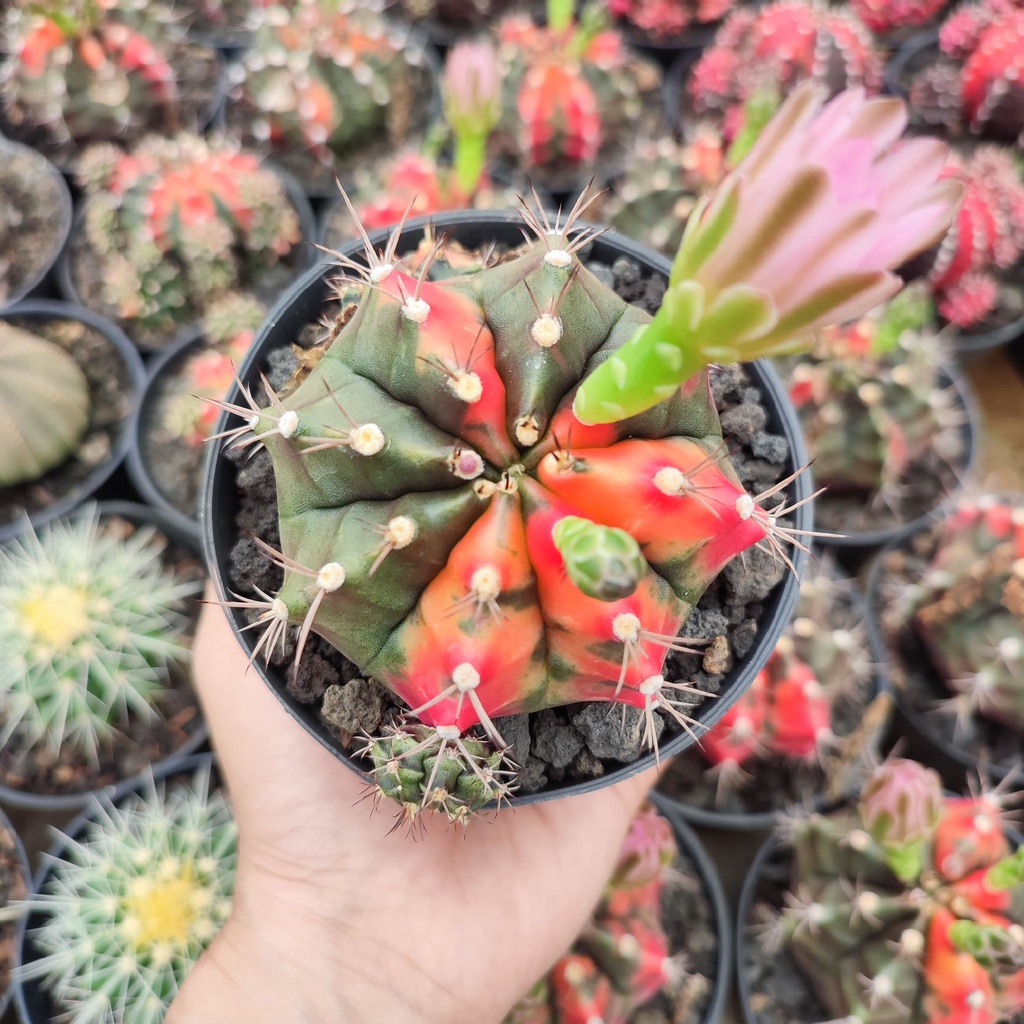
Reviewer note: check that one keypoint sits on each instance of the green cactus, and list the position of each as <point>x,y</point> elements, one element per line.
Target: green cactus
<point>44,405</point>
<point>892,913</point>
<point>130,905</point>
<point>91,623</point>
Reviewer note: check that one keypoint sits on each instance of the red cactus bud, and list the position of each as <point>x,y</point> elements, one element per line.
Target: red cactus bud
<point>799,715</point>
<point>37,45</point>
<point>969,836</point>
<point>901,802</point>
<point>648,849</point>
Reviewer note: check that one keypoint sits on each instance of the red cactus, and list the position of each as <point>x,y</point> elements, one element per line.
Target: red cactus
<point>884,16</point>
<point>969,835</point>
<point>663,19</point>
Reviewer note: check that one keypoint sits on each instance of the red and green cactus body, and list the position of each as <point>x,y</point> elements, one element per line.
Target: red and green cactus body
<point>885,16</point>
<point>621,959</point>
<point>663,19</point>
<point>980,83</point>
<point>778,46</point>
<point>570,94</point>
<point>969,609</point>
<point>83,71</point>
<point>451,527</point>
<point>907,909</point>
<point>987,236</point>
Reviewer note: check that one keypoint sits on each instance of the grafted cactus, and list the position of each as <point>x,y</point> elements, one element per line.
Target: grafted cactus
<point>885,16</point>
<point>44,405</point>
<point>427,465</point>
<point>663,19</point>
<point>969,609</point>
<point>907,909</point>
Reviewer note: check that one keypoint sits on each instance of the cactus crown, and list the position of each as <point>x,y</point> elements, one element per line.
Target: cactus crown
<point>907,905</point>
<point>178,223</point>
<point>132,904</point>
<point>663,19</point>
<point>44,405</point>
<point>883,16</point>
<point>90,625</point>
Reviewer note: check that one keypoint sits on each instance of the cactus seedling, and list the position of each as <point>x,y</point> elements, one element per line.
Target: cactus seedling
<point>779,46</point>
<point>179,223</point>
<point>663,19</point>
<point>906,909</point>
<point>132,903</point>
<point>91,625</point>
<point>44,405</point>
<point>422,483</point>
<point>84,71</point>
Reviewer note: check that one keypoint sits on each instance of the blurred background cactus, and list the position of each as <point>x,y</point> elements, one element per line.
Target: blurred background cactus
<point>885,17</point>
<point>908,907</point>
<point>83,71</point>
<point>133,901</point>
<point>662,20</point>
<point>92,624</point>
<point>175,225</point>
<point>463,14</point>
<point>44,405</point>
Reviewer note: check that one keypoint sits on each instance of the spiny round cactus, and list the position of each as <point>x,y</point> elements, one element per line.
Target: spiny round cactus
<point>83,71</point>
<point>91,623</point>
<point>44,405</point>
<point>132,903</point>
<point>884,16</point>
<point>906,909</point>
<point>179,223</point>
<point>663,19</point>
<point>781,45</point>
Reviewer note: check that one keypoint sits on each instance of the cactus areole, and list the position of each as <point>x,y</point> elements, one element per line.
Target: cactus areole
<point>452,528</point>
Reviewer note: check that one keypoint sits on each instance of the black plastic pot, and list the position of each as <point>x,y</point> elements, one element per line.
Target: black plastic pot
<point>44,803</point>
<point>48,309</point>
<point>913,56</point>
<point>865,540</point>
<point>303,305</point>
<point>7,996</point>
<point>707,875</point>
<point>306,254</point>
<point>679,111</point>
<point>34,1005</point>
<point>166,364</point>
<point>732,821</point>
<point>60,217</point>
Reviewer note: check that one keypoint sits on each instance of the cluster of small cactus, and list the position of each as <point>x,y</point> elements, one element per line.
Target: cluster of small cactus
<point>133,902</point>
<point>178,224</point>
<point>573,91</point>
<point>979,82</point>
<point>324,79</point>
<point>886,16</point>
<point>91,624</point>
<point>778,46</point>
<point>44,405</point>
<point>907,908</point>
<point>663,19</point>
<point>621,959</point>
<point>229,329</point>
<point>969,609</point>
<point>82,71</point>
<point>871,400</point>
<point>462,483</point>
<point>986,238</point>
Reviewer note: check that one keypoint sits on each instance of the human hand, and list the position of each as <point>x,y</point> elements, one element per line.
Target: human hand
<point>337,922</point>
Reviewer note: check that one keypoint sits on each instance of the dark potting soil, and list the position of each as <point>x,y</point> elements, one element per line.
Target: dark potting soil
<point>779,991</point>
<point>142,743</point>
<point>31,228</point>
<point>111,399</point>
<point>910,668</point>
<point>576,741</point>
<point>775,783</point>
<point>12,887</point>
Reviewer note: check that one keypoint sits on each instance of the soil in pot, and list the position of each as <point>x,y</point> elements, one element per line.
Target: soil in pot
<point>788,765</point>
<point>35,217</point>
<point>12,887</point>
<point>573,742</point>
<point>112,398</point>
<point>143,742</point>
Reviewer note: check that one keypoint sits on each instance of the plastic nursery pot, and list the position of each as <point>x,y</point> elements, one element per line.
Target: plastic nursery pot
<point>707,875</point>
<point>303,305</point>
<point>24,873</point>
<point>913,56</point>
<point>674,94</point>
<point>47,803</point>
<point>861,541</point>
<point>306,255</point>
<point>180,525</point>
<point>33,1004</point>
<point>47,310</point>
<point>57,211</point>
<point>953,761</point>
<point>734,821</point>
